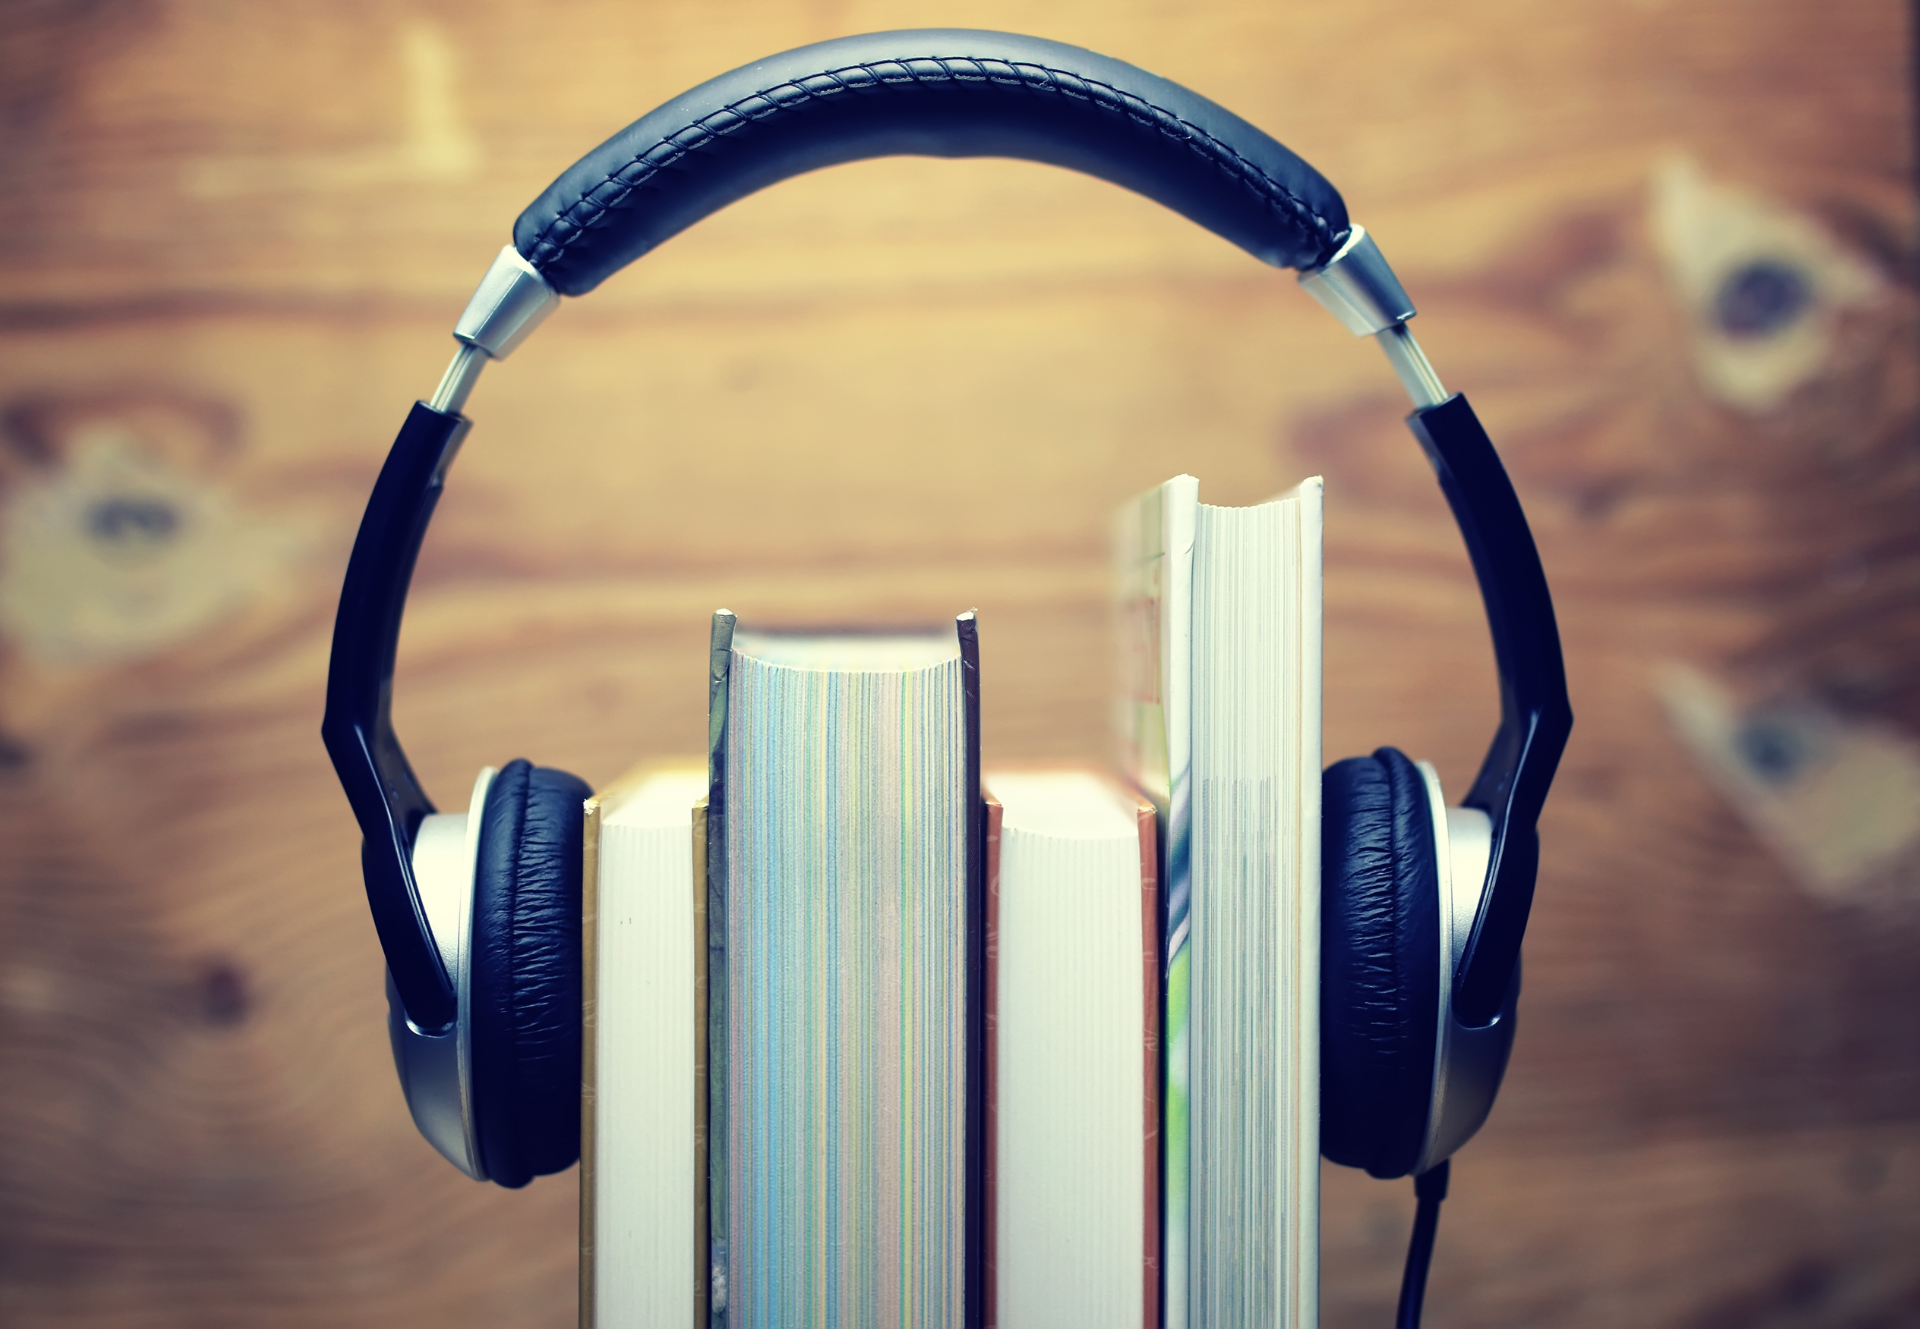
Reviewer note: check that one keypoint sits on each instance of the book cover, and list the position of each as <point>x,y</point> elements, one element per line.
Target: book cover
<point>1153,579</point>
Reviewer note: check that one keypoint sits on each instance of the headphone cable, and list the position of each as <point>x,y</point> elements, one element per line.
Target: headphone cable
<point>1429,1188</point>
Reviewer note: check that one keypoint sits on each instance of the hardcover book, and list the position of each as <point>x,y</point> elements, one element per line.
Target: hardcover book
<point>847,979</point>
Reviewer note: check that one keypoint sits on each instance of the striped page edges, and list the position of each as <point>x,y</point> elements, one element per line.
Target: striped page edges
<point>845,931</point>
<point>1254,1012</point>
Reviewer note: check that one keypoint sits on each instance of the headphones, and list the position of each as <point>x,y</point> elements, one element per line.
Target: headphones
<point>1423,906</point>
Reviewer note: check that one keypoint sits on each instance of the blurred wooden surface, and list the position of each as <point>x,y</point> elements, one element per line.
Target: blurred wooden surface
<point>236,237</point>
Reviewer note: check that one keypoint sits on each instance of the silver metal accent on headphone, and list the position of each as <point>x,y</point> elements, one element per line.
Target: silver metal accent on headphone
<point>509,303</point>
<point>1358,288</point>
<point>436,1070</point>
<point>1468,1063</point>
<point>458,381</point>
<point>1410,363</point>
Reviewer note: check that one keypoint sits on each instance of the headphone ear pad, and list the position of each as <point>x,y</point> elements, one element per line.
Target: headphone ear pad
<point>1379,962</point>
<point>524,996</point>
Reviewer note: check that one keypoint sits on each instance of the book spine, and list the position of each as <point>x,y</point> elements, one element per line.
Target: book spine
<point>1148,822</point>
<point>1179,515</point>
<point>990,1270</point>
<point>978,1230</point>
<point>719,671</point>
<point>702,1271</point>
<point>589,1052</point>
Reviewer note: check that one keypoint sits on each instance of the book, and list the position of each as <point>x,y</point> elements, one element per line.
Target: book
<point>1218,720</point>
<point>643,1171</point>
<point>1074,1052</point>
<point>846,979</point>
<point>1072,957</point>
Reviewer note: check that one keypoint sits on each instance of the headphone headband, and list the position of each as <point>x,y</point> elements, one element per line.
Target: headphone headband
<point>929,93</point>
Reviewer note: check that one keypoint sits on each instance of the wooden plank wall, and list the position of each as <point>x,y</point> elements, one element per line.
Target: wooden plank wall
<point>236,236</point>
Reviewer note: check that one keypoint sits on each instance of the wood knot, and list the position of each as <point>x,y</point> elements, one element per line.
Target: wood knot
<point>222,993</point>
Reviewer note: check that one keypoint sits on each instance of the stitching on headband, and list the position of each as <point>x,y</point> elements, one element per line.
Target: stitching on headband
<point>617,185</point>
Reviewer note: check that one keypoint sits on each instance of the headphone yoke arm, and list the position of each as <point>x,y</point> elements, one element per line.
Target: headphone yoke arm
<point>386,797</point>
<point>1535,713</point>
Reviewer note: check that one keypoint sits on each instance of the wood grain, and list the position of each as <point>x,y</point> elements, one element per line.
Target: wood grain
<point>237,236</point>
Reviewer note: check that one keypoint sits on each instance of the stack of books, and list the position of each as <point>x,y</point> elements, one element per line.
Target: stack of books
<point>876,1037</point>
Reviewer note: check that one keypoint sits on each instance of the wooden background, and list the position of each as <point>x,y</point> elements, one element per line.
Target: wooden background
<point>236,236</point>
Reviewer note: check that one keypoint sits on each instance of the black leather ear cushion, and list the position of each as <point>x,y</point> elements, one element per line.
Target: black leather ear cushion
<point>1379,963</point>
<point>525,974</point>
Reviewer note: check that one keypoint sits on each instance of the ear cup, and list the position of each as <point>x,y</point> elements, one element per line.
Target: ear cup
<point>524,1013</point>
<point>1379,962</point>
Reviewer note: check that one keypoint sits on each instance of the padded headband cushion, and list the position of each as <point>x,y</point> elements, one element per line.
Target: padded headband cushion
<point>1379,963</point>
<point>525,1014</point>
<point>929,93</point>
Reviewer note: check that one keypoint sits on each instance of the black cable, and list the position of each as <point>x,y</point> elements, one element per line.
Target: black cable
<point>1429,1188</point>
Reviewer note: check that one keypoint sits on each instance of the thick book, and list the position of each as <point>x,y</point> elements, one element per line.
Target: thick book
<point>1218,719</point>
<point>1074,1053</point>
<point>846,979</point>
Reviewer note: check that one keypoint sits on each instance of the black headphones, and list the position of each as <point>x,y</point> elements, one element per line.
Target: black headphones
<point>1423,906</point>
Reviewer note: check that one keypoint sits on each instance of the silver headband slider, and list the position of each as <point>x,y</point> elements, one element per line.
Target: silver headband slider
<point>510,302</point>
<point>1358,288</point>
